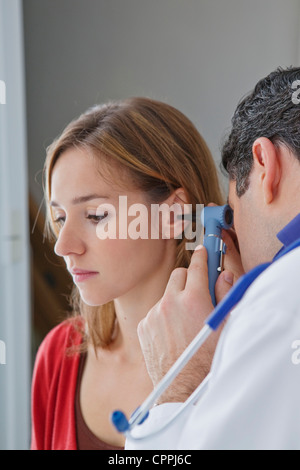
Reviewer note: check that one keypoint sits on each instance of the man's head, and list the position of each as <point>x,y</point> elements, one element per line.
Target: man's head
<point>262,158</point>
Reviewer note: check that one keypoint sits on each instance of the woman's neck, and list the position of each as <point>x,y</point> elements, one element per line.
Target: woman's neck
<point>134,306</point>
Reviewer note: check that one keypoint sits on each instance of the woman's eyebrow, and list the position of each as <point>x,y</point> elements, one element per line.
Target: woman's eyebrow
<point>81,199</point>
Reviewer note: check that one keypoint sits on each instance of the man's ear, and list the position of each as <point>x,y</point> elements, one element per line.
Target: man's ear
<point>267,166</point>
<point>173,225</point>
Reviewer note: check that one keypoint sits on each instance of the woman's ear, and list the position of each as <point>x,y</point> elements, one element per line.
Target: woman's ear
<point>173,223</point>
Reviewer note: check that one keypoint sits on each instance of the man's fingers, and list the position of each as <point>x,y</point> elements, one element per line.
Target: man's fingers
<point>230,238</point>
<point>177,280</point>
<point>223,285</point>
<point>232,259</point>
<point>197,273</point>
<point>192,277</point>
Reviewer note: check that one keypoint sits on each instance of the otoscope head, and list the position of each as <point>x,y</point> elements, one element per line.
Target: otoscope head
<point>221,216</point>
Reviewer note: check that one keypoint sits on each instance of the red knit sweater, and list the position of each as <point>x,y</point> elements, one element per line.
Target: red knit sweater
<point>53,391</point>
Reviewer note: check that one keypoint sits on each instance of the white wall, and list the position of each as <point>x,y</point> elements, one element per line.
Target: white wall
<point>15,373</point>
<point>199,55</point>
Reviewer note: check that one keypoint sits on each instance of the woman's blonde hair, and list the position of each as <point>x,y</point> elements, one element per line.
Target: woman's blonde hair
<point>160,149</point>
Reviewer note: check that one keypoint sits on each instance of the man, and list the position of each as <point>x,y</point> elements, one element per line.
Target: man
<point>252,400</point>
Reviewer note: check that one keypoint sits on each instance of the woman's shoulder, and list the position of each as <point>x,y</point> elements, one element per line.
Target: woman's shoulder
<point>60,343</point>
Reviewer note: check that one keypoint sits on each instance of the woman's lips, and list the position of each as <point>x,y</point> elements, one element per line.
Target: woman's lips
<point>82,275</point>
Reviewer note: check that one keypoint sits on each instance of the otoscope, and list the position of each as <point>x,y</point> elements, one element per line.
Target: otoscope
<point>214,219</point>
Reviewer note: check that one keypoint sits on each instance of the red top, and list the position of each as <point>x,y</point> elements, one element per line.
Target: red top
<point>53,391</point>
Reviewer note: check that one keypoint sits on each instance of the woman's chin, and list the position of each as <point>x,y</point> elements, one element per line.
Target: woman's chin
<point>93,301</point>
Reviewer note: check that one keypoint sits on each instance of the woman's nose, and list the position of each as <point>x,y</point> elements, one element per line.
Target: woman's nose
<point>69,241</point>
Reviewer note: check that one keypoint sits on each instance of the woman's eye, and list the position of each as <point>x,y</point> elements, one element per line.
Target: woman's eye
<point>97,218</point>
<point>59,221</point>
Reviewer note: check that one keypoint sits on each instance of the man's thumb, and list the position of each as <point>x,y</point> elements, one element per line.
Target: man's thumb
<point>223,285</point>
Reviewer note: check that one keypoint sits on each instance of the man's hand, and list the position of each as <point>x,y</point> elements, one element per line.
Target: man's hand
<point>233,268</point>
<point>171,325</point>
<point>177,318</point>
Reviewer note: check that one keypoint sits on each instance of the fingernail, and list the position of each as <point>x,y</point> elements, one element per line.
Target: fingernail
<point>199,247</point>
<point>228,276</point>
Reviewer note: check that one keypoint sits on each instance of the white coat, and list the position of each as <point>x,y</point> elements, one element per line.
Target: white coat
<point>253,398</point>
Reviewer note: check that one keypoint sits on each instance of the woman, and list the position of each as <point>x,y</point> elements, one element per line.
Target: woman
<point>148,153</point>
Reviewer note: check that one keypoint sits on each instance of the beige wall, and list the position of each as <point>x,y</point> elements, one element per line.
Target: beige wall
<point>199,55</point>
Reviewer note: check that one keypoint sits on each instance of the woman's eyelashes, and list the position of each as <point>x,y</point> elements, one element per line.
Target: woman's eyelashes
<point>59,221</point>
<point>94,218</point>
<point>97,218</point>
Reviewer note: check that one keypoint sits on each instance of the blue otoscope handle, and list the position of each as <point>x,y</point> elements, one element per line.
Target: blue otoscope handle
<point>214,219</point>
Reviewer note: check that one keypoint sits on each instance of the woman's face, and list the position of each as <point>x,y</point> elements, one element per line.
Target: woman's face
<point>103,269</point>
